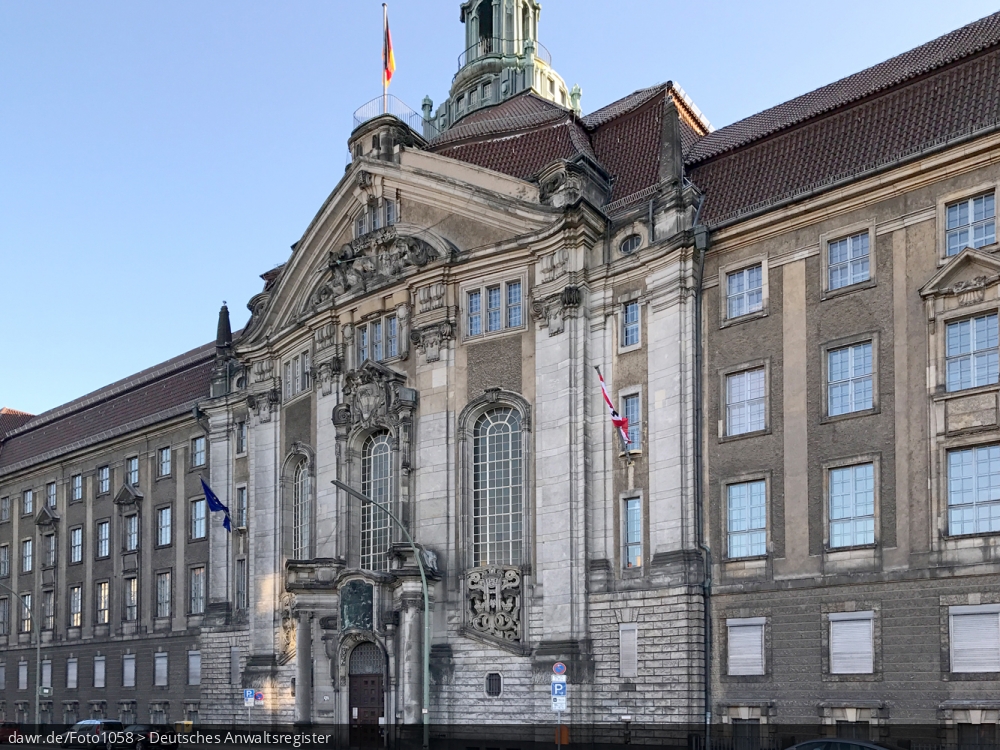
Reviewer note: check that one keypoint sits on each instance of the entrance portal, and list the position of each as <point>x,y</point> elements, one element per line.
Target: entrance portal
<point>367,694</point>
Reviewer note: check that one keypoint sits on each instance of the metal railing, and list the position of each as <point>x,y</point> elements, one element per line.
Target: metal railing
<point>487,46</point>
<point>389,105</point>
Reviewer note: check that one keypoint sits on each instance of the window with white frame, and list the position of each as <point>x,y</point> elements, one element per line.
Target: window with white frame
<point>131,600</point>
<point>194,667</point>
<point>747,518</point>
<point>130,536</point>
<point>50,494</point>
<point>301,513</point>
<point>971,357</point>
<point>27,502</point>
<point>163,462</point>
<point>630,244</point>
<point>849,378</point>
<point>27,549</point>
<point>970,223</point>
<point>745,401</point>
<point>975,638</point>
<point>297,373</point>
<point>198,520</point>
<point>48,610</point>
<point>128,670</point>
<point>75,606</point>
<point>632,410</point>
<point>630,323</point>
<point>76,545</point>
<point>494,307</point>
<point>103,538</point>
<point>163,594</point>
<point>241,507</point>
<point>103,480</point>
<point>852,648</point>
<point>376,483</point>
<point>745,645</point>
<point>160,670</point>
<point>378,339</point>
<point>102,596</point>
<point>632,531</point>
<point>100,665</point>
<point>76,487</point>
<point>852,505</point>
<point>497,488</point>
<point>849,261</point>
<point>198,456</point>
<point>4,560</point>
<point>25,613</point>
<point>974,490</point>
<point>49,547</point>
<point>132,470</point>
<point>628,649</point>
<point>745,291</point>
<point>375,215</point>
<point>241,437</point>
<point>163,526</point>
<point>196,587</point>
<point>72,673</point>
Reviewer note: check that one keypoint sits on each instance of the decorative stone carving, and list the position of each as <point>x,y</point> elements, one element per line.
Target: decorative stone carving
<point>325,373</point>
<point>262,404</point>
<point>372,260</point>
<point>257,306</point>
<point>325,336</point>
<point>350,353</point>
<point>429,339</point>
<point>286,633</point>
<point>431,297</point>
<point>554,263</point>
<point>263,369</point>
<point>403,329</point>
<point>347,644</point>
<point>552,311</point>
<point>972,291</point>
<point>494,596</point>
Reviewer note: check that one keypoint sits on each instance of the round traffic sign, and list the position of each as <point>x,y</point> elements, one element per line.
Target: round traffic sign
<point>559,668</point>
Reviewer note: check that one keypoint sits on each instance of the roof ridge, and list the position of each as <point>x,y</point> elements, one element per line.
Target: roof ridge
<point>512,125</point>
<point>623,106</point>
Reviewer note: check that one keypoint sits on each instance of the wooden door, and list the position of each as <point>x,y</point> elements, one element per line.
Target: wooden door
<point>366,700</point>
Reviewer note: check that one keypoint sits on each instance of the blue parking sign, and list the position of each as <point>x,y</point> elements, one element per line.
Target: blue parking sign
<point>558,689</point>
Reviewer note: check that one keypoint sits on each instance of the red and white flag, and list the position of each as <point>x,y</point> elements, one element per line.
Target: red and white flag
<point>616,419</point>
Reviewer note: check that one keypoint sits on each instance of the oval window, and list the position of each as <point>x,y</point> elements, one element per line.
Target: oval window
<point>630,244</point>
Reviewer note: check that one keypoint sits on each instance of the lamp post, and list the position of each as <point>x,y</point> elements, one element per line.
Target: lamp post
<point>38,648</point>
<point>425,707</point>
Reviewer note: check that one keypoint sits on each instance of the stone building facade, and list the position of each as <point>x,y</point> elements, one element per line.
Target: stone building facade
<point>761,300</point>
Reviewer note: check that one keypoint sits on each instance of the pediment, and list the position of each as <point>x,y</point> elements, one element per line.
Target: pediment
<point>128,495</point>
<point>969,271</point>
<point>46,516</point>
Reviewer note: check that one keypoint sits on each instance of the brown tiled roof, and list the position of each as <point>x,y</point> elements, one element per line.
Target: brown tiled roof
<point>522,112</point>
<point>923,113</point>
<point>956,45</point>
<point>626,103</point>
<point>155,394</point>
<point>11,419</point>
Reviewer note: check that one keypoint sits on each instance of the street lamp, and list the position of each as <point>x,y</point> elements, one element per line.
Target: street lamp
<point>425,708</point>
<point>38,649</point>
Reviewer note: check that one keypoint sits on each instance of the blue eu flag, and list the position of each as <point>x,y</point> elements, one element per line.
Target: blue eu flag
<point>215,504</point>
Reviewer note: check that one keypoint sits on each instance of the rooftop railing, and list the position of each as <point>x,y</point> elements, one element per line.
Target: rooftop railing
<point>389,105</point>
<point>487,46</point>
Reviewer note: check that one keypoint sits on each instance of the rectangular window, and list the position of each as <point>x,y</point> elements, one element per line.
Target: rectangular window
<point>4,560</point>
<point>970,223</point>
<point>48,610</point>
<point>745,402</point>
<point>241,507</point>
<point>974,490</point>
<point>198,451</point>
<point>198,510</point>
<point>49,542</point>
<point>851,645</point>
<point>475,313</point>
<point>47,673</point>
<point>359,225</point>
<point>242,584</point>
<point>746,646</point>
<point>131,532</point>
<point>305,371</point>
<point>50,494</point>
<point>363,349</point>
<point>197,589</point>
<point>163,594</point>
<point>26,551</point>
<point>128,670</point>
<point>391,337</point>
<point>5,616</point>
<point>972,353</point>
<point>27,502</point>
<point>76,487</point>
<point>849,374</point>
<point>241,437</point>
<point>852,505</point>
<point>630,323</point>
<point>160,669</point>
<point>75,606</point>
<point>628,649</point>
<point>514,305</point>
<point>975,638</point>
<point>131,597</point>
<point>493,307</point>
<point>72,674</point>
<point>76,545</point>
<point>390,212</point>
<point>25,613</point>
<point>103,538</point>
<point>103,480</point>
<point>849,261</point>
<point>744,291</point>
<point>747,519</point>
<point>4,508</point>
<point>22,675</point>
<point>103,597</point>
<point>99,671</point>
<point>632,411</point>
<point>375,333</point>
<point>163,529</point>
<point>132,470</point>
<point>194,667</point>
<point>632,512</point>
<point>163,462</point>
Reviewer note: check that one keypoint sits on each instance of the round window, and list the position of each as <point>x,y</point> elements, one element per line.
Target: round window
<point>630,244</point>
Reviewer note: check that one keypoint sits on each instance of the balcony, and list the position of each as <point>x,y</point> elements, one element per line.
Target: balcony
<point>389,105</point>
<point>496,47</point>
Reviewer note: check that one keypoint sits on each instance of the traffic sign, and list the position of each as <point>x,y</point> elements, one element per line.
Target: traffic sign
<point>258,698</point>
<point>248,697</point>
<point>559,668</point>
<point>558,702</point>
<point>557,677</point>
<point>558,689</point>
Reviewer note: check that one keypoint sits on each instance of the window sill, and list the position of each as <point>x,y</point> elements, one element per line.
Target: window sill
<point>851,548</point>
<point>748,558</point>
<point>974,535</point>
<point>828,419</point>
<point>492,334</point>
<point>849,289</point>
<point>727,322</point>
<point>163,476</point>
<point>287,400</point>
<point>630,348</point>
<point>989,249</point>
<point>745,435</point>
<point>975,390</point>
<point>168,545</point>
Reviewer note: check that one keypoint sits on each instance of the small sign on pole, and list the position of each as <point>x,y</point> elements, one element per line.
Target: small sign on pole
<point>248,697</point>
<point>258,698</point>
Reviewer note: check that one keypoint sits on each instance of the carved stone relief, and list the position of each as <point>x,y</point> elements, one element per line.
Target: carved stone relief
<point>430,339</point>
<point>262,370</point>
<point>552,311</point>
<point>554,263</point>
<point>286,633</point>
<point>374,259</point>
<point>494,596</point>
<point>325,336</point>
<point>431,297</point>
<point>325,374</point>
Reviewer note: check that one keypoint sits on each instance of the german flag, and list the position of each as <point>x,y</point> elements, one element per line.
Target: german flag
<point>388,59</point>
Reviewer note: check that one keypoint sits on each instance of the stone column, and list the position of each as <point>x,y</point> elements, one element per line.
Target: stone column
<point>265,554</point>
<point>410,644</point>
<point>219,475</point>
<point>303,658</point>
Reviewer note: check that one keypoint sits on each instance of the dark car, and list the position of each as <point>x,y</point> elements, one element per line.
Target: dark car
<point>8,731</point>
<point>93,734</point>
<point>136,737</point>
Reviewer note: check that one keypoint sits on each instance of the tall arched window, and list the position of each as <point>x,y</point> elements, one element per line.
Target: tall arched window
<point>497,489</point>
<point>376,483</point>
<point>301,513</point>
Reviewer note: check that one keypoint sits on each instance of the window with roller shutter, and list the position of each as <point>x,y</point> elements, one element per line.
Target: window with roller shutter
<point>746,646</point>
<point>975,638</point>
<point>852,648</point>
<point>628,649</point>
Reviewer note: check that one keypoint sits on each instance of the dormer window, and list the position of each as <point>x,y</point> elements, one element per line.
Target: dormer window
<point>375,215</point>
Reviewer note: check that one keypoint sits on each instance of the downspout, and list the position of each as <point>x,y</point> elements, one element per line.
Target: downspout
<point>702,241</point>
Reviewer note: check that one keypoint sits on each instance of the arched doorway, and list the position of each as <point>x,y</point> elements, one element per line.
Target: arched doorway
<point>366,671</point>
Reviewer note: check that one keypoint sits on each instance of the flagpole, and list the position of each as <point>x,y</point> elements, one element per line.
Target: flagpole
<point>385,59</point>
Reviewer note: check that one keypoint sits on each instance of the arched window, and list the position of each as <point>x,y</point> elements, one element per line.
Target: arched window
<point>497,489</point>
<point>301,513</point>
<point>376,483</point>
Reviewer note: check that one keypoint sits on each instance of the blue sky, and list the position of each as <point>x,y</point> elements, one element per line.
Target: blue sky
<point>155,158</point>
